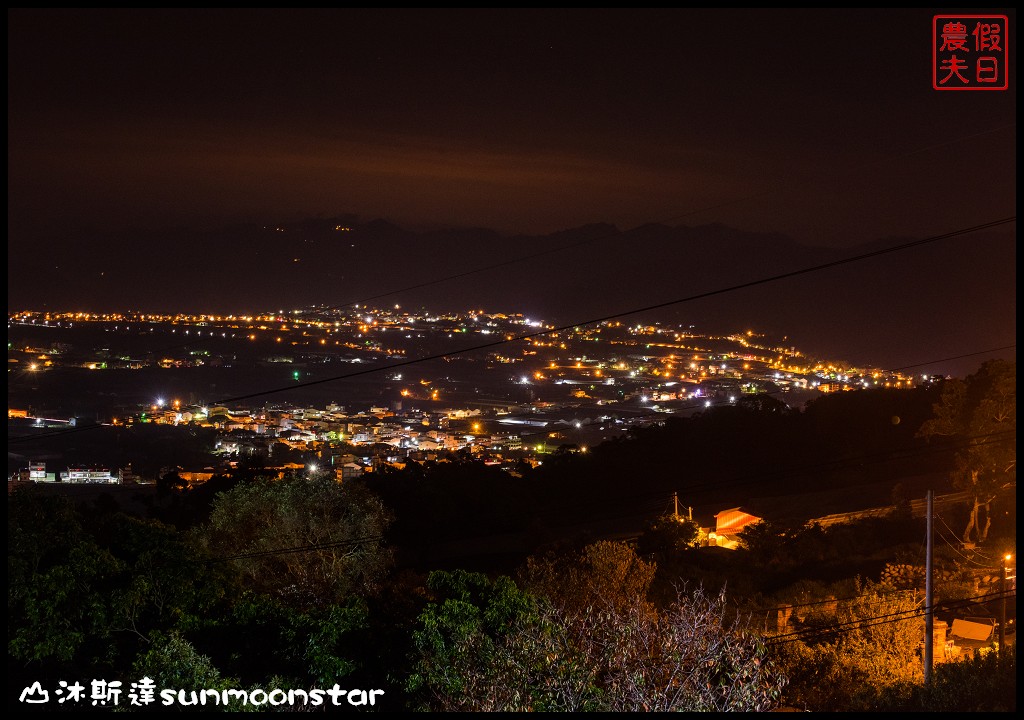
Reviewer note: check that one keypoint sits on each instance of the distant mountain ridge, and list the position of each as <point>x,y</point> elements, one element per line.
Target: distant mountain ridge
<point>951,296</point>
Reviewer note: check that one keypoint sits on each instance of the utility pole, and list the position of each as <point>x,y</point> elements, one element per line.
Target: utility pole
<point>929,619</point>
<point>1002,606</point>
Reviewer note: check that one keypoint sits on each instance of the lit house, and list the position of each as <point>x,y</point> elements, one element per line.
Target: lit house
<point>728,526</point>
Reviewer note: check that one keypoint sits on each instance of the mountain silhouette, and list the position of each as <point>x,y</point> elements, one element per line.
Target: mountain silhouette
<point>941,299</point>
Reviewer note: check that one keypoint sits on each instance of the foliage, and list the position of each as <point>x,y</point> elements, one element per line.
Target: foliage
<point>55,572</point>
<point>486,645</point>
<point>764,403</point>
<point>983,682</point>
<point>91,592</point>
<point>844,655</point>
<point>980,412</point>
<point>669,534</point>
<point>308,540</point>
<point>162,584</point>
<point>186,506</point>
<point>443,501</point>
<point>489,646</point>
<point>603,574</point>
<point>765,541</point>
<point>688,658</point>
<point>173,662</point>
<point>309,647</point>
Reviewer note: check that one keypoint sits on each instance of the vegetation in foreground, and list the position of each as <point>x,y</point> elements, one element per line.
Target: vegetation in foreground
<point>295,584</point>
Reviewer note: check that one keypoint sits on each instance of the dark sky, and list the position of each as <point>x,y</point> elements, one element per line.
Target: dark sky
<point>821,125</point>
<point>519,120</point>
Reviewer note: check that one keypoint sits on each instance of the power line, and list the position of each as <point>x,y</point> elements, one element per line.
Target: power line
<point>594,321</point>
<point>634,311</point>
<point>674,218</point>
<point>849,625</point>
<point>619,502</point>
<point>953,533</point>
<point>1000,436</point>
<point>819,633</point>
<point>310,547</point>
<point>619,233</point>
<point>959,552</point>
<point>956,357</point>
<point>828,601</point>
<point>673,413</point>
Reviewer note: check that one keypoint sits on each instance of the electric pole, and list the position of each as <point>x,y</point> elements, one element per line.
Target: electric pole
<point>1002,606</point>
<point>929,620</point>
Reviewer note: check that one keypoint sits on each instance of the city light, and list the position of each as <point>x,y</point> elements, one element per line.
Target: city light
<point>643,365</point>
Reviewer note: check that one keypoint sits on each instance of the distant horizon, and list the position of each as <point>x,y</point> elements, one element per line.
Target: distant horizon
<point>955,366</point>
<point>569,163</point>
<point>554,278</point>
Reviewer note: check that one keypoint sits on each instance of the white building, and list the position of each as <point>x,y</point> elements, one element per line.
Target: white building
<point>88,475</point>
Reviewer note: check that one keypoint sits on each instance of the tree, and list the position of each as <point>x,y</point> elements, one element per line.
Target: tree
<point>89,591</point>
<point>173,663</point>
<point>54,572</point>
<point>981,413</point>
<point>485,645</point>
<point>764,403</point>
<point>690,657</point>
<point>980,683</point>
<point>846,655</point>
<point>766,541</point>
<point>307,647</point>
<point>603,574</point>
<point>669,535</point>
<point>310,540</point>
<point>162,584</point>
<point>490,646</point>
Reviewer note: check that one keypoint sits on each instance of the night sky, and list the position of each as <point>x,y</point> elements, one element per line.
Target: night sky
<point>819,125</point>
